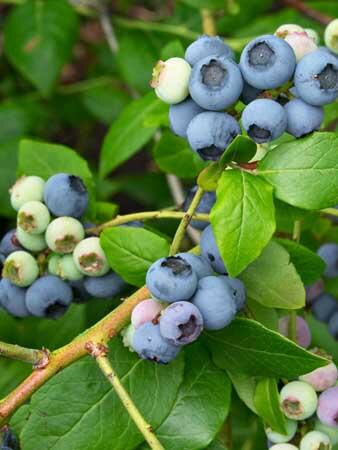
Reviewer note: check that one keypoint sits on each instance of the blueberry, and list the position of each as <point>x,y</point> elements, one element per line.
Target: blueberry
<point>67,269</point>
<point>321,378</point>
<point>145,311</point>
<point>149,344</point>
<point>128,336</point>
<point>303,333</point>
<point>302,118</point>
<point>199,264</point>
<point>301,44</point>
<point>80,293</point>
<point>287,28</point>
<point>267,62</point>
<point>12,299</point>
<point>210,251</point>
<point>90,258</point>
<point>10,440</point>
<point>249,93</point>
<point>298,400</point>
<point>181,323</point>
<point>264,120</point>
<point>216,303</point>
<point>329,254</point>
<point>26,189</point>
<point>209,133</point>
<point>207,202</point>
<point>66,195</point>
<point>206,46</point>
<point>330,36</point>
<point>316,78</point>
<point>315,440</point>
<point>63,234</point>
<point>106,286</point>
<point>9,243</point>
<point>54,264</point>
<point>324,307</point>
<point>278,438</point>
<point>215,83</point>
<point>312,35</point>
<point>32,242</point>
<point>49,297</point>
<point>181,114</point>
<point>171,279</point>
<point>332,432</point>
<point>327,410</point>
<point>238,290</point>
<point>333,325</point>
<point>21,268</point>
<point>33,217</point>
<point>170,80</point>
<point>283,447</point>
<point>313,291</point>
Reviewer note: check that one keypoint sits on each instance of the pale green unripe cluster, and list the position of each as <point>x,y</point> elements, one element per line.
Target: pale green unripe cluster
<point>298,400</point>
<point>90,259</point>
<point>32,242</point>
<point>21,269</point>
<point>284,447</point>
<point>33,217</point>
<point>171,80</point>
<point>26,189</point>
<point>63,234</point>
<point>64,267</point>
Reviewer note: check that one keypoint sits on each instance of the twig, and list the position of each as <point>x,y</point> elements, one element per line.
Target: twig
<point>208,22</point>
<point>185,222</point>
<point>307,11</point>
<point>107,26</point>
<point>147,215</point>
<point>297,229</point>
<point>38,358</point>
<point>100,354</point>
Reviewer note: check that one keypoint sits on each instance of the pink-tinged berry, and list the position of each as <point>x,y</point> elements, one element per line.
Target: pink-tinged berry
<point>312,35</point>
<point>314,290</point>
<point>327,410</point>
<point>146,311</point>
<point>301,44</point>
<point>322,378</point>
<point>288,28</point>
<point>303,335</point>
<point>171,79</point>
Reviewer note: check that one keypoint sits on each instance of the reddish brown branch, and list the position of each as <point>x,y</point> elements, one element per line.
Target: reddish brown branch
<point>307,11</point>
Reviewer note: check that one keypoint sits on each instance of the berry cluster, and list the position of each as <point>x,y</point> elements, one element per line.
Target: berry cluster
<point>47,261</point>
<point>203,86</point>
<point>187,283</point>
<point>299,402</point>
<point>9,441</point>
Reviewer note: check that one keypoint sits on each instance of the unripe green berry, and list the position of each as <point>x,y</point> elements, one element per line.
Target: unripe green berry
<point>315,440</point>
<point>288,28</point>
<point>21,269</point>
<point>33,242</point>
<point>33,217</point>
<point>284,447</point>
<point>331,36</point>
<point>128,336</point>
<point>54,264</point>
<point>332,432</point>
<point>278,438</point>
<point>90,259</point>
<point>63,234</point>
<point>298,400</point>
<point>171,79</point>
<point>68,269</point>
<point>26,189</point>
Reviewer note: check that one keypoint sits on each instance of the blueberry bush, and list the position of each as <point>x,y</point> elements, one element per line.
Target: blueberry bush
<point>169,204</point>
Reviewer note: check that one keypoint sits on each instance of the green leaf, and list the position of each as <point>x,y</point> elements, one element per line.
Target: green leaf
<point>39,37</point>
<point>12,373</point>
<point>127,135</point>
<point>174,49</point>
<point>247,346</point>
<point>8,163</point>
<point>201,406</point>
<point>242,218</point>
<point>245,387</point>
<point>266,316</point>
<point>241,149</point>
<point>211,4</point>
<point>173,155</point>
<point>131,251</point>
<point>304,173</point>
<point>273,281</point>
<point>106,211</point>
<point>322,338</point>
<point>215,445</point>
<point>267,404</point>
<point>92,414</point>
<point>286,215</point>
<point>307,263</point>
<point>209,177</point>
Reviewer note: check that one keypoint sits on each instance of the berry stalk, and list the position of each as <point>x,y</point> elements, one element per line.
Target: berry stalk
<point>38,358</point>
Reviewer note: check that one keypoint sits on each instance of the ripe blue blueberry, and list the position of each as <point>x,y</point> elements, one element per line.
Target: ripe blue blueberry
<point>181,114</point>
<point>32,242</point>
<point>20,268</point>
<point>327,410</point>
<point>267,62</point>
<point>215,83</point>
<point>66,195</point>
<point>238,290</point>
<point>302,118</point>
<point>264,120</point>
<point>298,400</point>
<point>171,279</point>
<point>207,202</point>
<point>9,243</point>
<point>209,133</point>
<point>181,323</point>
<point>80,293</point>
<point>33,217</point>
<point>329,254</point>
<point>210,251</point>
<point>216,303</point>
<point>199,264</point>
<point>315,440</point>
<point>49,297</point>
<point>107,286</point>
<point>26,189</point>
<point>146,311</point>
<point>324,307</point>
<point>149,344</point>
<point>206,46</point>
<point>63,234</point>
<point>278,438</point>
<point>333,325</point>
<point>90,258</point>
<point>10,440</point>
<point>316,78</point>
<point>12,299</point>
<point>249,93</point>
<point>303,333</point>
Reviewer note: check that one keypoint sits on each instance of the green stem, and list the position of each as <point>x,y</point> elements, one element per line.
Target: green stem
<point>145,428</point>
<point>175,246</point>
<point>38,358</point>
<point>147,215</point>
<point>330,211</point>
<point>297,228</point>
<point>208,22</point>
